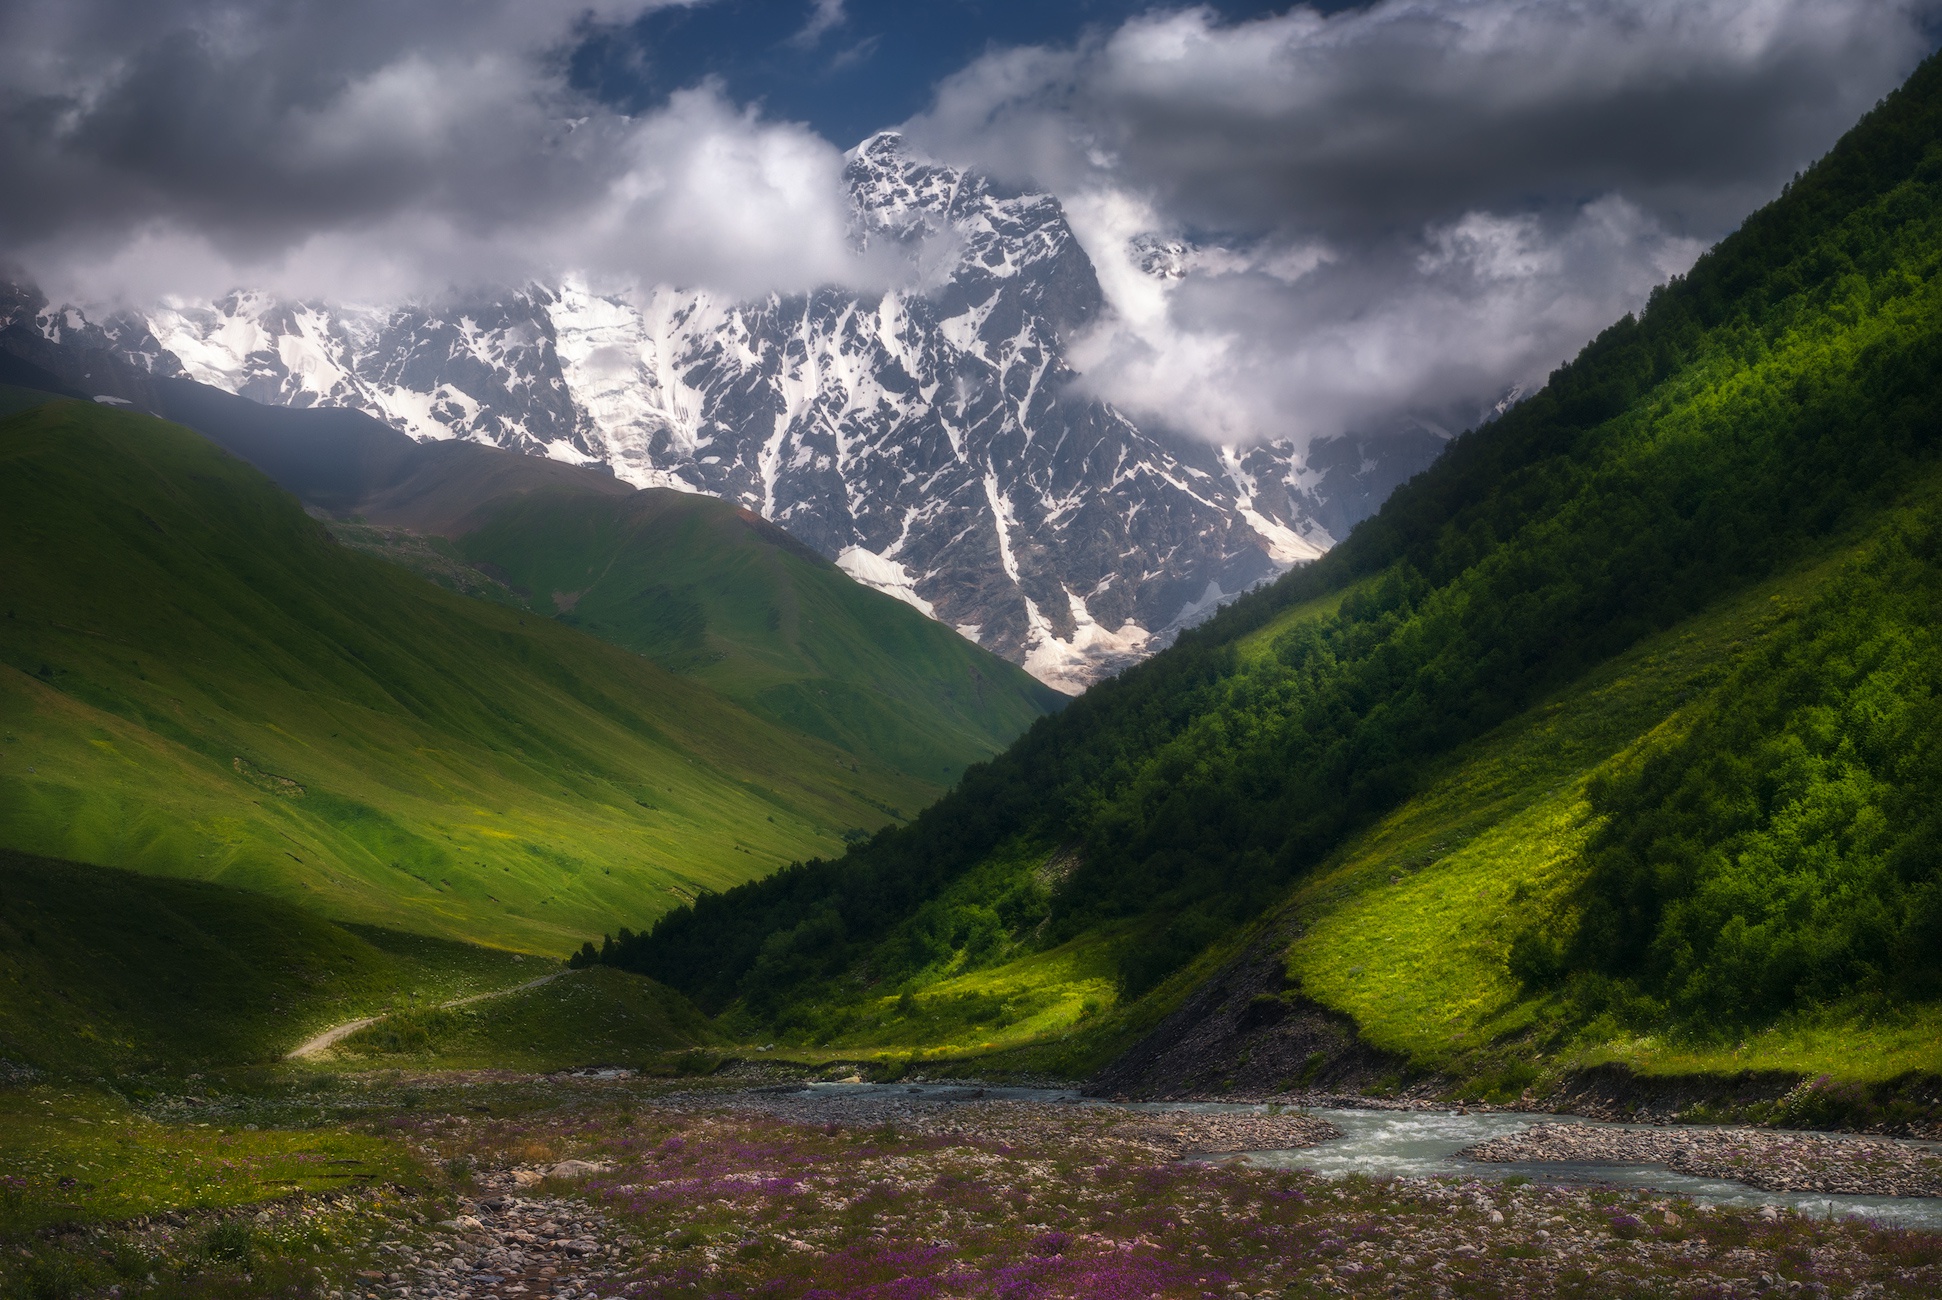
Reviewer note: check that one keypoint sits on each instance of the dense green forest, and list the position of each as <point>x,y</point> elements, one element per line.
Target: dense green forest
<point>1778,396</point>
<point>1787,848</point>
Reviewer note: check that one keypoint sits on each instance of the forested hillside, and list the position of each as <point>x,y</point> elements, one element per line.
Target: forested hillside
<point>1768,409</point>
<point>1785,846</point>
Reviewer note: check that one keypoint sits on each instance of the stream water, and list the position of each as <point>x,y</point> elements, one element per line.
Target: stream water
<point>1418,1144</point>
<point>1424,1144</point>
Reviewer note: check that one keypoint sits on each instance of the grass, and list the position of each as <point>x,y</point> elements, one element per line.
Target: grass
<point>1037,996</point>
<point>597,1016</point>
<point>1054,1013</point>
<point>107,972</point>
<point>1408,929</point>
<point>196,681</point>
<point>1259,643</point>
<point>82,1155</point>
<point>1863,1044</point>
<point>15,398</point>
<point>715,593</point>
<point>431,558</point>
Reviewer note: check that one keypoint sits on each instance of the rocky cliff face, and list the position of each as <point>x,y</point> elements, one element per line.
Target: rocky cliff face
<point>929,440</point>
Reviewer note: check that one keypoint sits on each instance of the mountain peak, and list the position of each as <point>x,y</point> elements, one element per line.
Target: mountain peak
<point>880,145</point>
<point>931,442</point>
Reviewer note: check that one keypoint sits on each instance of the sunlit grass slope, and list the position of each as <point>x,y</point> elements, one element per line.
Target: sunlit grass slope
<point>195,680</point>
<point>1033,997</point>
<point>1410,929</point>
<point>715,592</point>
<point>106,971</point>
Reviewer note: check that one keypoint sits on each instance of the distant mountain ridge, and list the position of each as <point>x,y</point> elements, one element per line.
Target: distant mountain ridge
<point>928,441</point>
<point>701,587</point>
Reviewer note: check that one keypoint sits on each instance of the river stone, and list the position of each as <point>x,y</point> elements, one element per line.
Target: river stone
<point>574,1169</point>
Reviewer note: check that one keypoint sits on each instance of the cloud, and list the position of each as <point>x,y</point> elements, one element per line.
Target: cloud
<point>1304,223</point>
<point>1411,207</point>
<point>1301,342</point>
<point>824,16</point>
<point>362,148</point>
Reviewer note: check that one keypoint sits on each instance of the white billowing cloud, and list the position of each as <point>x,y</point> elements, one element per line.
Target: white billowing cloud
<point>1303,223</point>
<point>1409,208</point>
<point>761,206</point>
<point>360,151</point>
<point>1293,342</point>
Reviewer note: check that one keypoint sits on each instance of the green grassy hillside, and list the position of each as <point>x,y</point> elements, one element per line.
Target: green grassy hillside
<point>714,592</point>
<point>1770,863</point>
<point>196,681</point>
<point>583,1017</point>
<point>699,586</point>
<point>1424,928</point>
<point>108,971</point>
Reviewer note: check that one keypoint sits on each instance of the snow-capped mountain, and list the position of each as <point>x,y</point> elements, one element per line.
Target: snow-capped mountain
<point>928,440</point>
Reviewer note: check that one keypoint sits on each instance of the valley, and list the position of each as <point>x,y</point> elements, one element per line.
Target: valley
<point>667,793</point>
<point>199,683</point>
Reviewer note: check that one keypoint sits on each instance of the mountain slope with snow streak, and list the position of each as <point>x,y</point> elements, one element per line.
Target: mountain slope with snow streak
<point>929,440</point>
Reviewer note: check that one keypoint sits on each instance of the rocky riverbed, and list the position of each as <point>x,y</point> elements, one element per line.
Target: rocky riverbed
<point>504,1244</point>
<point>1762,1158</point>
<point>517,1240</point>
<point>614,1188</point>
<point>971,1112</point>
<point>880,1193</point>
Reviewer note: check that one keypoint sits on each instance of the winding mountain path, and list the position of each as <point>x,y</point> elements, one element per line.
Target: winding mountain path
<point>318,1044</point>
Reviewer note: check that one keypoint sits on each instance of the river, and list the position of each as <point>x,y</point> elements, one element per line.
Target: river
<point>1425,1143</point>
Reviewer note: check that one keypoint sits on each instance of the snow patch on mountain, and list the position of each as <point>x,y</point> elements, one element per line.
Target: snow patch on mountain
<point>929,440</point>
<point>886,575</point>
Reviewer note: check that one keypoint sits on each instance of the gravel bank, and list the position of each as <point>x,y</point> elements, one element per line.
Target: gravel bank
<point>1763,1158</point>
<point>506,1245</point>
<point>972,1115</point>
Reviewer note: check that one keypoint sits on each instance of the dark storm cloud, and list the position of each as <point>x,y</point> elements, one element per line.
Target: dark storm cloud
<point>174,144</point>
<point>1404,207</point>
<point>1413,205</point>
<point>1412,110</point>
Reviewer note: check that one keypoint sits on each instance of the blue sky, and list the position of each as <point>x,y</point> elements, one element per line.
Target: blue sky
<point>846,68</point>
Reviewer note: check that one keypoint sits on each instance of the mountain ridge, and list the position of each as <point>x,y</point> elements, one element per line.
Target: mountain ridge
<point>865,673</point>
<point>929,439</point>
<point>1775,406</point>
